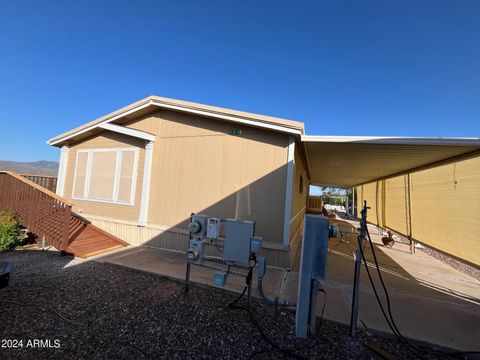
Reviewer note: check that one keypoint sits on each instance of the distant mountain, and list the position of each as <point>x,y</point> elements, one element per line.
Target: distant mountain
<point>42,167</point>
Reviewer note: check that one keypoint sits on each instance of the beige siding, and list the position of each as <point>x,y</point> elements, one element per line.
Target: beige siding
<point>106,140</point>
<point>299,200</point>
<point>176,239</point>
<point>198,167</point>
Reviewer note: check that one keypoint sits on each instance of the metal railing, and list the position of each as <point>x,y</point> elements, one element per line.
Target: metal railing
<point>48,182</point>
<point>40,210</point>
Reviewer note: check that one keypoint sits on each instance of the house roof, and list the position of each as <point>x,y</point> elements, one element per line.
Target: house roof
<point>345,161</point>
<point>152,102</point>
<point>342,161</point>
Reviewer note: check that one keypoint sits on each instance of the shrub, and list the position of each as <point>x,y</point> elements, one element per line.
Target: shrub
<point>10,228</point>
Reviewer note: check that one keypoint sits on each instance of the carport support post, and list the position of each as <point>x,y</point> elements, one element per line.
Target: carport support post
<point>356,278</point>
<point>346,204</point>
<point>353,203</point>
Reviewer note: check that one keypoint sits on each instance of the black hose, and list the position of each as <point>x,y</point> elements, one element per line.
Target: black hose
<point>398,336</point>
<point>260,330</point>
<point>234,305</point>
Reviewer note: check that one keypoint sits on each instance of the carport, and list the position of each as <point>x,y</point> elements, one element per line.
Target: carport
<point>427,189</point>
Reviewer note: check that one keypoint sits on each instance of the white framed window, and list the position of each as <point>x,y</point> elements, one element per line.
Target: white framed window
<point>106,175</point>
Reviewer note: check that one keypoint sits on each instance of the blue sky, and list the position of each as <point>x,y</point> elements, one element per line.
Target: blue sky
<point>409,68</point>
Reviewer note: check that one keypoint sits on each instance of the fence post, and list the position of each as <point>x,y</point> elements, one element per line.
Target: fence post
<point>66,226</point>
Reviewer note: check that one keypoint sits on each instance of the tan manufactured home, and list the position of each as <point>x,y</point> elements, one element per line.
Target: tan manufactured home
<point>140,172</point>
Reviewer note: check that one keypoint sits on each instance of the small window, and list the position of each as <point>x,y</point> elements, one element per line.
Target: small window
<point>300,185</point>
<point>106,175</point>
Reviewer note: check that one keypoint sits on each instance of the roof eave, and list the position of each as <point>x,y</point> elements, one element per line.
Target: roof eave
<point>394,140</point>
<point>155,101</point>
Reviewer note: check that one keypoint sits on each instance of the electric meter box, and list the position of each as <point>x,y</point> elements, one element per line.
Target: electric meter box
<point>213,228</point>
<point>198,226</point>
<point>196,251</point>
<point>236,245</point>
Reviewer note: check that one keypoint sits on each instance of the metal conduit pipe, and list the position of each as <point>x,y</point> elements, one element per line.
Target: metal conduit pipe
<point>262,267</point>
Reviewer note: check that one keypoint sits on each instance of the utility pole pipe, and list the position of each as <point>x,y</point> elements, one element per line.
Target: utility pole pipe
<point>356,278</point>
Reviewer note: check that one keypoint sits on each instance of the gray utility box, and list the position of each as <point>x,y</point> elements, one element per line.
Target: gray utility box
<point>313,265</point>
<point>238,234</point>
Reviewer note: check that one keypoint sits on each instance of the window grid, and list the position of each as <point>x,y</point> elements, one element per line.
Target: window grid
<point>117,177</point>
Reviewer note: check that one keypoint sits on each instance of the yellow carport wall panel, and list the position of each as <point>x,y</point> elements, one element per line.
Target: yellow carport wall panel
<point>369,194</point>
<point>396,206</point>
<point>446,208</point>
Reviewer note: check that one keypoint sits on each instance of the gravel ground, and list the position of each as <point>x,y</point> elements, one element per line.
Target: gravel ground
<point>101,311</point>
<point>460,266</point>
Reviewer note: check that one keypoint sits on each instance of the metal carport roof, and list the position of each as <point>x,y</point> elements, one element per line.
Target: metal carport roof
<point>346,161</point>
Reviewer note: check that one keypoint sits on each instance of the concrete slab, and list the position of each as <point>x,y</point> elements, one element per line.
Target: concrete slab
<point>431,301</point>
<point>173,265</point>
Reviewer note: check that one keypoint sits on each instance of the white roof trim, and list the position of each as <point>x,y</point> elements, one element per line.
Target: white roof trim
<point>101,123</point>
<point>208,113</point>
<point>127,131</point>
<point>394,140</point>
<point>237,119</point>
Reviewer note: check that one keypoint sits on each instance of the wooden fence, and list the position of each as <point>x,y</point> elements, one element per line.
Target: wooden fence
<point>48,182</point>
<point>41,211</point>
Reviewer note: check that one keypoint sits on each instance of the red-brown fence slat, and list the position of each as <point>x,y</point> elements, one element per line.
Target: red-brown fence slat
<point>39,208</point>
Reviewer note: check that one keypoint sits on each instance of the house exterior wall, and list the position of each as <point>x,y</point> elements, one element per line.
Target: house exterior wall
<point>299,200</point>
<point>198,167</point>
<point>106,139</point>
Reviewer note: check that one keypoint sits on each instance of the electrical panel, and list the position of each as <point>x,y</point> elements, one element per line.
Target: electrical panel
<point>233,240</point>
<point>238,235</point>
